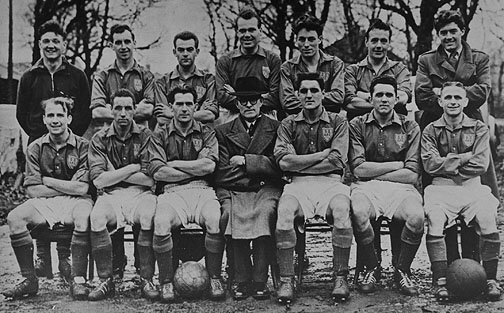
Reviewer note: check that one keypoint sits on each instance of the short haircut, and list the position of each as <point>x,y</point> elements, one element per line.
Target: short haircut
<point>183,89</point>
<point>122,93</point>
<point>118,29</point>
<point>66,103</point>
<point>384,80</point>
<point>186,35</point>
<point>446,17</point>
<point>51,27</point>
<point>308,22</point>
<point>247,13</point>
<point>310,76</point>
<point>378,24</point>
<point>453,84</point>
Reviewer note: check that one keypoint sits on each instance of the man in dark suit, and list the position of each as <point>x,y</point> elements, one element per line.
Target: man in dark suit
<point>249,185</point>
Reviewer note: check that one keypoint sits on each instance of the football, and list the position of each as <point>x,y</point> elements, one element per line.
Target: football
<point>191,280</point>
<point>465,278</point>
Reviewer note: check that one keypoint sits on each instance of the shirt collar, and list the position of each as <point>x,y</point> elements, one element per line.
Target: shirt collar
<point>40,64</point>
<point>458,52</point>
<point>388,63</point>
<point>237,53</point>
<point>323,58</point>
<point>72,140</point>
<point>323,117</point>
<point>395,118</point>
<point>111,131</point>
<point>466,122</point>
<point>114,67</point>
<point>176,74</point>
<point>196,127</point>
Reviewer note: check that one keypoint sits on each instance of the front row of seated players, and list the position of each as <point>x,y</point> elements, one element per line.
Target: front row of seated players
<point>455,151</point>
<point>57,183</point>
<point>311,146</point>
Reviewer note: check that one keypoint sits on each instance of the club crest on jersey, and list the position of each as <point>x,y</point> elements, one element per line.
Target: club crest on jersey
<point>327,133</point>
<point>137,83</point>
<point>266,72</point>
<point>468,139</point>
<point>324,75</point>
<point>400,139</point>
<point>197,143</point>
<point>72,161</point>
<point>200,90</point>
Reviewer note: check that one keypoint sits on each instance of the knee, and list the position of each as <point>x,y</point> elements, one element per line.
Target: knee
<point>436,221</point>
<point>212,219</point>
<point>287,208</point>
<point>486,222</point>
<point>360,210</point>
<point>416,221</point>
<point>16,218</point>
<point>98,218</point>
<point>81,218</point>
<point>146,217</point>
<point>339,208</point>
<point>164,221</point>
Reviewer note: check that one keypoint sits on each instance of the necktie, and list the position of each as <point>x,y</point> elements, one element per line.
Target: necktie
<point>453,60</point>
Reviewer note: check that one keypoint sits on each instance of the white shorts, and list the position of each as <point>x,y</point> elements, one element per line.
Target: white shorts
<point>187,200</point>
<point>58,209</point>
<point>126,201</point>
<point>315,192</point>
<point>465,200</point>
<point>385,196</point>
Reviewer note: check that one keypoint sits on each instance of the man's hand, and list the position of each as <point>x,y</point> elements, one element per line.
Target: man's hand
<point>237,160</point>
<point>144,109</point>
<point>102,112</point>
<point>465,157</point>
<point>228,88</point>
<point>437,91</point>
<point>363,95</point>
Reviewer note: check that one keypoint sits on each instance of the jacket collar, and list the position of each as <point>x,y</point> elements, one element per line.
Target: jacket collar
<point>264,134</point>
<point>39,65</point>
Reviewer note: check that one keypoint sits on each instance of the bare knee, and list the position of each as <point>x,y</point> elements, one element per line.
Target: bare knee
<point>287,208</point>
<point>164,221</point>
<point>361,212</point>
<point>436,220</point>
<point>81,216</point>
<point>146,216</point>
<point>99,217</point>
<point>486,222</point>
<point>211,215</point>
<point>339,208</point>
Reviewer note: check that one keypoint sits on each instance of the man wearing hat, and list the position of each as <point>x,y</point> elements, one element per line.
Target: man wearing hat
<point>248,185</point>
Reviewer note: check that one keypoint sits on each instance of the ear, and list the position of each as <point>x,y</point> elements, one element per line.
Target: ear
<point>465,102</point>
<point>440,101</point>
<point>197,51</point>
<point>70,118</point>
<point>110,44</point>
<point>174,51</point>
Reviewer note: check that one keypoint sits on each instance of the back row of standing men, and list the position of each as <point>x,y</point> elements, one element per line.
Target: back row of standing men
<point>310,145</point>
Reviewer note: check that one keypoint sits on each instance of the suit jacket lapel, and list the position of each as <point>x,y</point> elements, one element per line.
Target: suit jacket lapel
<point>238,134</point>
<point>466,66</point>
<point>263,135</point>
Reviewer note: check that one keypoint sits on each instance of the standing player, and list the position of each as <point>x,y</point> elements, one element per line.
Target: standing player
<point>384,157</point>
<point>312,146</point>
<point>248,186</point>
<point>52,76</point>
<point>308,31</point>
<point>456,152</point>
<point>358,76</point>
<point>185,49</point>
<point>125,72</point>
<point>183,155</point>
<point>57,182</point>
<point>250,59</point>
<point>117,164</point>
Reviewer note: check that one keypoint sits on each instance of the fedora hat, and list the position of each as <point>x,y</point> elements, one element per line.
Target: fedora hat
<point>248,87</point>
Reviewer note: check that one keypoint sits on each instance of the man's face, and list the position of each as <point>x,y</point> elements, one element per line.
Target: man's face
<point>377,44</point>
<point>123,45</point>
<point>453,100</point>
<point>248,33</point>
<point>123,111</point>
<point>250,108</point>
<point>310,95</point>
<point>183,107</point>
<point>451,37</point>
<point>383,99</point>
<point>56,119</point>
<point>185,51</point>
<point>307,41</point>
<point>52,46</point>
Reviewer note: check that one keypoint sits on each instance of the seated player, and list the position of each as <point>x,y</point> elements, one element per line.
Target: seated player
<point>57,182</point>
<point>183,155</point>
<point>118,165</point>
<point>312,146</point>
<point>384,157</point>
<point>455,151</point>
<point>249,185</point>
